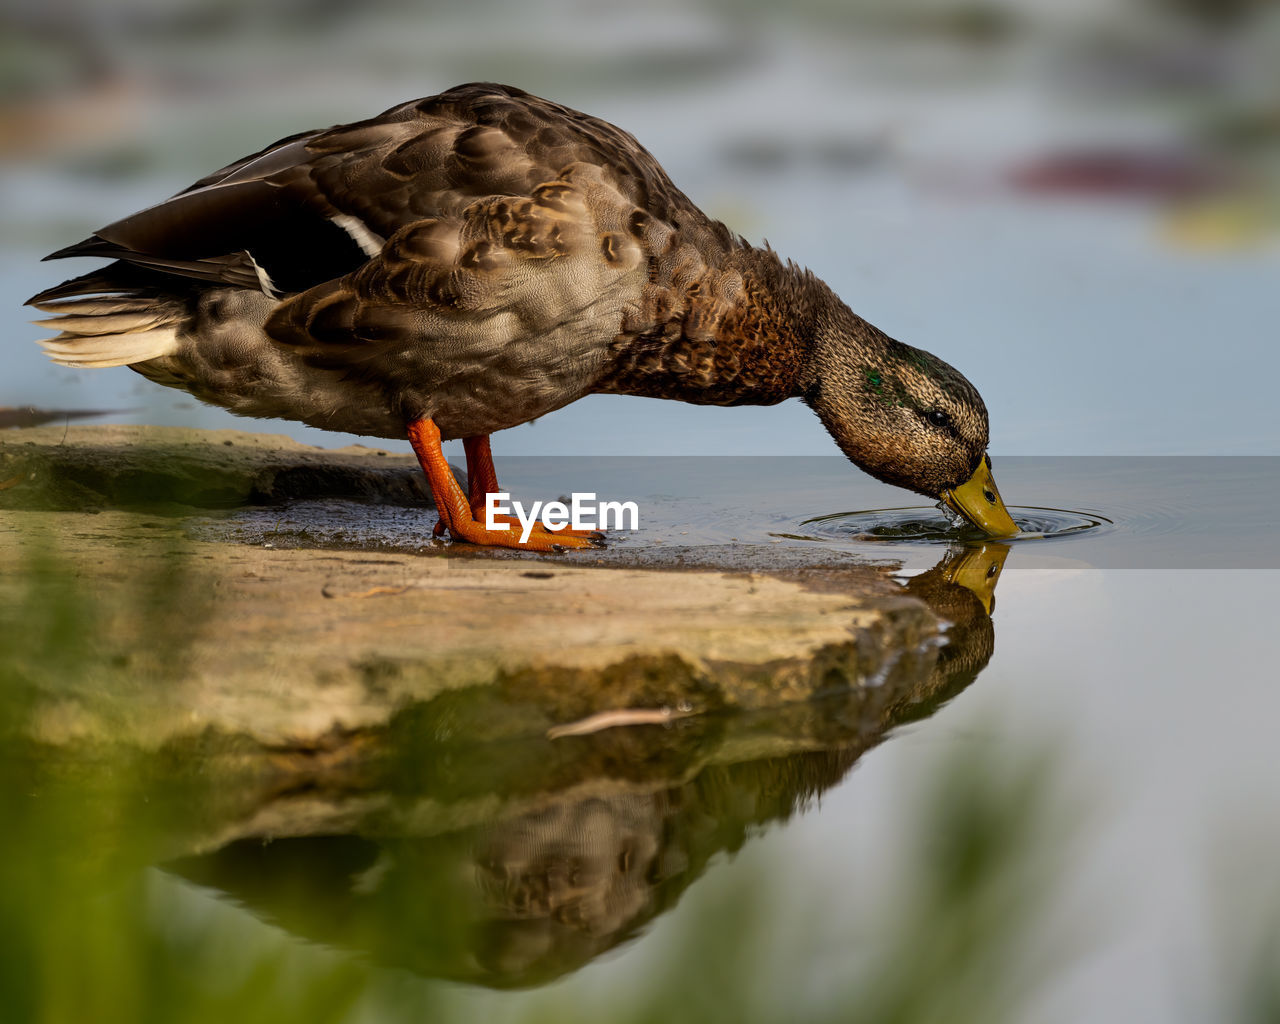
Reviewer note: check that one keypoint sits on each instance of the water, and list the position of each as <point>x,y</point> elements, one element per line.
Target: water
<point>1129,513</point>
<point>932,525</point>
<point>1126,512</point>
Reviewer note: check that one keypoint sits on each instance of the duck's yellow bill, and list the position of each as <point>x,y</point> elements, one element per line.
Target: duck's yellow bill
<point>979,502</point>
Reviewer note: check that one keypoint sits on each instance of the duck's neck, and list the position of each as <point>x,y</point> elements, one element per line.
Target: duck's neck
<point>741,334</point>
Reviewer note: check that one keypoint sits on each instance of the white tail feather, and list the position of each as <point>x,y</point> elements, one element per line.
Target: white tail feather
<point>96,306</point>
<point>110,330</point>
<point>119,323</point>
<point>111,349</point>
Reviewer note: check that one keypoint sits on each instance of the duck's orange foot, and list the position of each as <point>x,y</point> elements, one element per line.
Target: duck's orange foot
<point>562,538</point>
<point>463,516</point>
<point>539,539</point>
<point>512,523</point>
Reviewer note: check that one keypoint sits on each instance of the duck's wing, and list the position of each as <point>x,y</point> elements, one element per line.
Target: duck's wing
<point>319,205</point>
<point>526,217</point>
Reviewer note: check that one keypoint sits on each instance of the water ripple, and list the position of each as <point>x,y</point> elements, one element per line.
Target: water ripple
<point>931,525</point>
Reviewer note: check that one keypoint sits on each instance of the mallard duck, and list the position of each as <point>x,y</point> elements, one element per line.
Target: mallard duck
<point>467,262</point>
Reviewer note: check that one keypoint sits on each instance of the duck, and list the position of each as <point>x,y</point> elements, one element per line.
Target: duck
<point>468,262</point>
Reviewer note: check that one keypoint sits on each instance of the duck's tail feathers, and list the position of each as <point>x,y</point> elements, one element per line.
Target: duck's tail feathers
<point>107,319</point>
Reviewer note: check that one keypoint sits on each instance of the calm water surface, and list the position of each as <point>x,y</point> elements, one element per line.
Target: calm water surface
<point>1102,512</point>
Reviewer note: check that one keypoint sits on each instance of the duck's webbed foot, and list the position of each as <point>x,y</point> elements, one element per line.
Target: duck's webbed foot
<point>482,480</point>
<point>514,528</point>
<point>512,523</point>
<point>463,515</point>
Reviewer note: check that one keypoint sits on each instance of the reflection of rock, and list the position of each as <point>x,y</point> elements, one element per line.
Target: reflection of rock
<point>446,848</point>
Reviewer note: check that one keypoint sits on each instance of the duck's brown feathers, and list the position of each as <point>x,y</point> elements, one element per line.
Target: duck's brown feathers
<point>736,335</point>
<point>481,257</point>
<point>529,208</point>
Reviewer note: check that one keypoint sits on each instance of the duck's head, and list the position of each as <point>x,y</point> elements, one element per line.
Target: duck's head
<point>907,418</point>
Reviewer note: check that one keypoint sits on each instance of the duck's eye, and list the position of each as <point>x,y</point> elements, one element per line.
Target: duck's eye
<point>938,417</point>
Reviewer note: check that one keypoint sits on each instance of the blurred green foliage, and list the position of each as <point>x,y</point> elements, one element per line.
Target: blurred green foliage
<point>79,935</point>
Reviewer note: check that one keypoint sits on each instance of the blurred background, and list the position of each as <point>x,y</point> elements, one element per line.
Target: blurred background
<point>1077,204</point>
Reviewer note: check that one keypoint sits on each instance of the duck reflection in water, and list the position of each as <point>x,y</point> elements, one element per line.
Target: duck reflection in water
<point>513,871</point>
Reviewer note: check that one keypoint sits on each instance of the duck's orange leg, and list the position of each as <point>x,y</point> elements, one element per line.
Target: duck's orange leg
<point>482,480</point>
<point>455,508</point>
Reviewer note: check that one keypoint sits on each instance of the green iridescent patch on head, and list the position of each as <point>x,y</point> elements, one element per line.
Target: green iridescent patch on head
<point>888,390</point>
<point>876,385</point>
